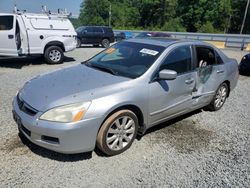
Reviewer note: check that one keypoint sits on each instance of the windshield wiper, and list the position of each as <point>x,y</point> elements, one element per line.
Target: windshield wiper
<point>105,69</point>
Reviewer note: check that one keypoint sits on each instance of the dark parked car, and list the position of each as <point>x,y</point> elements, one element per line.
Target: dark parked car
<point>153,34</point>
<point>95,35</point>
<point>124,35</point>
<point>244,67</point>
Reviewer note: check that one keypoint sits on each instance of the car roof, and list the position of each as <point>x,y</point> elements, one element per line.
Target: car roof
<point>166,42</point>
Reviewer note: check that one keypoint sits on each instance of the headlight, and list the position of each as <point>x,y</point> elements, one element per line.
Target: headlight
<point>66,114</point>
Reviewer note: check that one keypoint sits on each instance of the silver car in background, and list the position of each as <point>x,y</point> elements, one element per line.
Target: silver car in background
<point>121,92</point>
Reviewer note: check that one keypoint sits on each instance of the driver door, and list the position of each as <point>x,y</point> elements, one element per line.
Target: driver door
<point>168,98</point>
<point>7,35</point>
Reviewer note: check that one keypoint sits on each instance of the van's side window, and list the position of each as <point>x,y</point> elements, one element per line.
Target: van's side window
<point>179,60</point>
<point>6,22</point>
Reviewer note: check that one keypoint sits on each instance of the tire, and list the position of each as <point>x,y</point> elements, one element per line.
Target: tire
<point>219,98</point>
<point>117,133</point>
<point>105,43</point>
<point>54,55</point>
<point>79,43</point>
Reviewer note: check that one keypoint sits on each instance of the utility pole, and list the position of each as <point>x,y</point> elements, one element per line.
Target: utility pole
<point>244,19</point>
<point>110,15</point>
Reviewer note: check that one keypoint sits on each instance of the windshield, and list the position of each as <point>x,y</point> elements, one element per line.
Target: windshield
<point>128,59</point>
<point>79,29</point>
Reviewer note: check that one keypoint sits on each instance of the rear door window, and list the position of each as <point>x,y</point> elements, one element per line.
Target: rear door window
<point>6,23</point>
<point>205,56</point>
<point>97,30</point>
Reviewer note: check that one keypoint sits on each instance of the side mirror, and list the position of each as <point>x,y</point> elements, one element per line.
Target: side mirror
<point>167,74</point>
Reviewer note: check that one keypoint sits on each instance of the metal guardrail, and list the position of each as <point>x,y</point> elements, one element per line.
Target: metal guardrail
<point>230,40</point>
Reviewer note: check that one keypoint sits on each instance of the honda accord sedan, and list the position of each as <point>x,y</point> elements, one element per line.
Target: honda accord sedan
<point>121,92</point>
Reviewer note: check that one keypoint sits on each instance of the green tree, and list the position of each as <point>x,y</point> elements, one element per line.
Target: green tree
<point>169,15</point>
<point>196,13</point>
<point>238,8</point>
<point>94,12</point>
<point>174,24</point>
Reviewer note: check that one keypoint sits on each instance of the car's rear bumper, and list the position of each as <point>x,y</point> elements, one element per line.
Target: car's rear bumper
<point>63,138</point>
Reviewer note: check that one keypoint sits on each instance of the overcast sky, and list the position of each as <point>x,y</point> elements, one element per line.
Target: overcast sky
<point>73,6</point>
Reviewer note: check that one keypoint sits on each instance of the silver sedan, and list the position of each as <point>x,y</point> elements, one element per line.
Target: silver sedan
<point>121,92</point>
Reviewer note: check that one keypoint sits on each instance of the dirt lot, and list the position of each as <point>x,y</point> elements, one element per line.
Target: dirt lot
<point>201,149</point>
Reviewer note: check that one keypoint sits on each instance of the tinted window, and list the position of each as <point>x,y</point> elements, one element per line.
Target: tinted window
<point>179,60</point>
<point>205,56</point>
<point>6,22</point>
<point>218,58</point>
<point>89,29</point>
<point>107,30</point>
<point>97,30</point>
<point>127,59</point>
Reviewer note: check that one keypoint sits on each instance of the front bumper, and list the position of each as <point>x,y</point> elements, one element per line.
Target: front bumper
<point>63,138</point>
<point>70,44</point>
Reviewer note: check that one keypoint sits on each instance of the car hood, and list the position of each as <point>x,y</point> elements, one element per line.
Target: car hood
<point>69,85</point>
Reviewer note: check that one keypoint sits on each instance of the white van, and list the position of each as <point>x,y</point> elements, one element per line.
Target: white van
<point>26,34</point>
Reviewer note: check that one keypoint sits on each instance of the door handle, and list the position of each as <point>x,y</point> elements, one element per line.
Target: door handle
<point>189,81</point>
<point>220,71</point>
<point>10,36</point>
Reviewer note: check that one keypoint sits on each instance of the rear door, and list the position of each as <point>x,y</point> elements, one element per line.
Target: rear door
<point>98,34</point>
<point>8,45</point>
<point>209,74</point>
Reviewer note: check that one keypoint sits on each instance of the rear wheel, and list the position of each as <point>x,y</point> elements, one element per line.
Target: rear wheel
<point>219,98</point>
<point>105,43</point>
<point>117,132</point>
<point>54,55</point>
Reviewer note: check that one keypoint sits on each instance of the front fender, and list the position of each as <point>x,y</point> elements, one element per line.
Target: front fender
<point>102,107</point>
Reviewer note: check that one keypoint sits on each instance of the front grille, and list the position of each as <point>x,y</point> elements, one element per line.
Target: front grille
<point>25,107</point>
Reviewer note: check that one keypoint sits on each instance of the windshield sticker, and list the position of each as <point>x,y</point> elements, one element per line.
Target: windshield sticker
<point>149,52</point>
<point>110,50</point>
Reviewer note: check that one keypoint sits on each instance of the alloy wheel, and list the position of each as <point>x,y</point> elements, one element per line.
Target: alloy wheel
<point>55,55</point>
<point>120,133</point>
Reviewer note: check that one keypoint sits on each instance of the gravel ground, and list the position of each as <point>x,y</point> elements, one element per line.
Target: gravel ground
<point>201,149</point>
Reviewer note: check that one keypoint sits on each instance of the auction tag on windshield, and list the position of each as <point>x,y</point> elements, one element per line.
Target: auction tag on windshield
<point>110,50</point>
<point>149,52</point>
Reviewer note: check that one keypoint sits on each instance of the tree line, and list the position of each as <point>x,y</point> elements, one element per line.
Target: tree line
<point>208,16</point>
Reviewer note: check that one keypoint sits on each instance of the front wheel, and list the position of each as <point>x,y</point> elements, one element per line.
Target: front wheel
<point>105,43</point>
<point>219,98</point>
<point>54,55</point>
<point>117,133</point>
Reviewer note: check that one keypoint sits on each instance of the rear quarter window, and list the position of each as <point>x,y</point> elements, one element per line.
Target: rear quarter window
<point>6,23</point>
<point>108,30</point>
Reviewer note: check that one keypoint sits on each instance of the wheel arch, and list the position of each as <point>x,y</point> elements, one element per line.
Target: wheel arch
<point>135,109</point>
<point>54,43</point>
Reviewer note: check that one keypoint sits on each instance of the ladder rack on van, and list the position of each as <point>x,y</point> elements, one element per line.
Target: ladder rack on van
<point>60,14</point>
